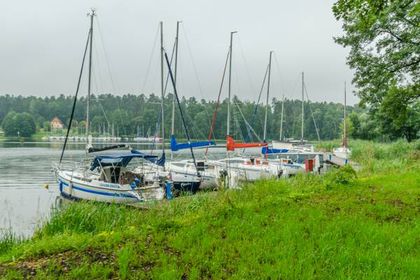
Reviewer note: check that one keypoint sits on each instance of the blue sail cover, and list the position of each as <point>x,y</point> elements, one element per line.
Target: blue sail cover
<point>119,159</point>
<point>267,150</point>
<point>159,161</point>
<point>181,146</point>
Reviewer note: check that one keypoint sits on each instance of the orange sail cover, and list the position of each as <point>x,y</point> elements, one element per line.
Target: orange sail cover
<point>231,145</point>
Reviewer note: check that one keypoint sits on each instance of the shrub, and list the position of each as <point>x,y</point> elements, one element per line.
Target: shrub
<point>345,175</point>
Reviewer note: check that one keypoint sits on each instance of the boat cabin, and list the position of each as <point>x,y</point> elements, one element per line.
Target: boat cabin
<point>113,168</point>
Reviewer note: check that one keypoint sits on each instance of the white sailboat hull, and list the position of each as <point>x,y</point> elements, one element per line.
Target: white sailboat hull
<point>76,188</point>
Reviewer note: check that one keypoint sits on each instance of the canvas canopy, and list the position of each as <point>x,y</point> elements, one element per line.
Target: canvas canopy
<point>120,159</point>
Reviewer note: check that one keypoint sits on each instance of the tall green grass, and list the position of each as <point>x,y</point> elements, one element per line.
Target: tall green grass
<point>381,158</point>
<point>339,226</point>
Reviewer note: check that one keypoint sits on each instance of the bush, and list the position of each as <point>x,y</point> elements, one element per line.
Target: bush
<point>345,175</point>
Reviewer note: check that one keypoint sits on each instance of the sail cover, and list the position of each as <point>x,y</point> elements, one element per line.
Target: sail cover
<point>119,159</point>
<point>180,146</point>
<point>267,150</point>
<point>231,145</point>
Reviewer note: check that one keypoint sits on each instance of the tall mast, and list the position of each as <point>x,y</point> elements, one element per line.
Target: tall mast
<point>303,107</point>
<point>162,88</point>
<point>91,14</point>
<point>345,125</point>
<point>281,119</point>
<point>268,96</point>
<point>230,82</point>
<point>175,74</point>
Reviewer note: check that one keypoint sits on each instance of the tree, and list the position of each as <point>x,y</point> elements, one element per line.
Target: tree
<point>19,124</point>
<point>383,37</point>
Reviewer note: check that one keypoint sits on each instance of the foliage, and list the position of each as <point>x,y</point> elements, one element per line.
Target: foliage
<point>363,227</point>
<point>18,124</point>
<point>131,115</point>
<point>383,37</point>
<point>7,241</point>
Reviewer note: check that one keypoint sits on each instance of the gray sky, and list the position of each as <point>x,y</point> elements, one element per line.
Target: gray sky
<point>42,45</point>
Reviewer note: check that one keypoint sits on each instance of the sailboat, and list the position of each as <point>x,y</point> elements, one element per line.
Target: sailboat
<point>183,178</point>
<point>108,178</point>
<point>184,173</point>
<point>247,168</point>
<point>343,152</point>
<point>282,146</point>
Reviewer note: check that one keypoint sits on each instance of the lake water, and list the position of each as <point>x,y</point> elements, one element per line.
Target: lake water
<point>25,171</point>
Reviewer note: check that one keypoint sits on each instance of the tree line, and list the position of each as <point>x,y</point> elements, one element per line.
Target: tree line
<point>140,115</point>
<point>131,115</point>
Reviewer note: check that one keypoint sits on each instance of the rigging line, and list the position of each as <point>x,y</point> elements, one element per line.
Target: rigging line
<point>312,114</point>
<point>149,65</point>
<point>213,120</point>
<point>197,132</point>
<point>157,131</point>
<point>238,127</point>
<point>250,80</point>
<point>296,83</point>
<point>97,77</point>
<point>167,76</point>
<point>180,111</point>
<point>106,56</point>
<point>277,64</point>
<point>194,66</point>
<point>247,123</point>
<point>254,114</point>
<point>75,96</point>
<point>103,111</point>
<point>96,71</point>
<point>192,59</point>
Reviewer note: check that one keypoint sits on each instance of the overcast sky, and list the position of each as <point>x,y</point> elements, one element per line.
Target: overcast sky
<point>42,45</point>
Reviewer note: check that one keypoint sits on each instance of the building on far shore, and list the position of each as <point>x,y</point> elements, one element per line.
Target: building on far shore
<point>56,123</point>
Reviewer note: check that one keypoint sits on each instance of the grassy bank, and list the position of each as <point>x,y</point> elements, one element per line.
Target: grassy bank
<point>341,225</point>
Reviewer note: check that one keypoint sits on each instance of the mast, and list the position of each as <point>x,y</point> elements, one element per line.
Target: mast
<point>91,14</point>
<point>230,82</point>
<point>281,119</point>
<point>182,115</point>
<point>268,96</point>
<point>303,107</point>
<point>162,88</point>
<point>345,125</point>
<point>175,74</point>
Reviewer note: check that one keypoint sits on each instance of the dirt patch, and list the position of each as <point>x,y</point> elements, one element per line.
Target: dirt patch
<point>62,262</point>
<point>396,203</point>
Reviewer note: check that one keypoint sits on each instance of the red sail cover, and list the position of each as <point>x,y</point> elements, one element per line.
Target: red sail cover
<point>231,145</point>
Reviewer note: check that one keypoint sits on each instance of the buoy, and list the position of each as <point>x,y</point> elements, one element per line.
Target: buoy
<point>46,186</point>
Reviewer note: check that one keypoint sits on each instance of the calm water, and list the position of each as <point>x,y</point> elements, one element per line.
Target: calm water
<point>25,170</point>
